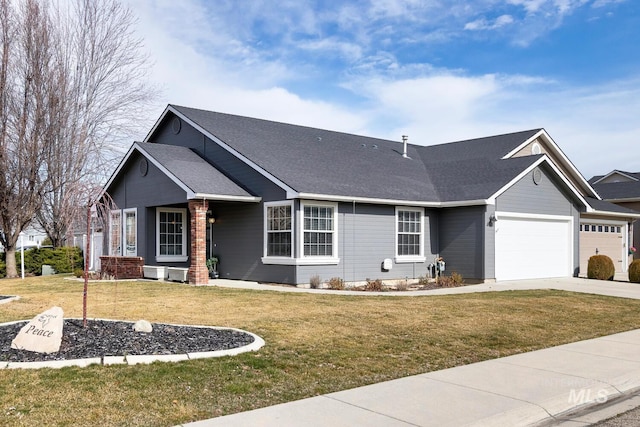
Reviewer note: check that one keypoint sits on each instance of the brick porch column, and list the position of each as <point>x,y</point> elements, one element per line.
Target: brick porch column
<point>198,272</point>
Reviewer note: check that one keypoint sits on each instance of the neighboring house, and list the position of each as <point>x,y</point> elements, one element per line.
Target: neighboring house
<point>282,203</point>
<point>623,189</point>
<point>32,236</point>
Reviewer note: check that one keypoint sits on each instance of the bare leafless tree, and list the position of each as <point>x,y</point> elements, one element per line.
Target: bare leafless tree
<point>101,89</point>
<point>25,79</point>
<point>97,210</point>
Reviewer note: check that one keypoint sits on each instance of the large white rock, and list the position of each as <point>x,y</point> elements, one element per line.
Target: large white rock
<point>43,334</point>
<point>142,326</point>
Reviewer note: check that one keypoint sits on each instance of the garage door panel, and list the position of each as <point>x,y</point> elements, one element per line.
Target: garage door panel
<point>528,248</point>
<point>607,240</point>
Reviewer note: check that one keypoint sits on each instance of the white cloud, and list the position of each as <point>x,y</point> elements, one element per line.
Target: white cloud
<point>483,24</point>
<point>604,3</point>
<point>213,62</point>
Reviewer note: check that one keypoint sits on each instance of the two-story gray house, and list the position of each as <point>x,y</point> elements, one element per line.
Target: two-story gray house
<point>277,202</point>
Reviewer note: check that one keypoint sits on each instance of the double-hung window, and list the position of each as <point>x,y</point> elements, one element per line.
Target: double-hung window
<point>279,229</point>
<point>171,235</point>
<point>319,230</point>
<point>409,235</point>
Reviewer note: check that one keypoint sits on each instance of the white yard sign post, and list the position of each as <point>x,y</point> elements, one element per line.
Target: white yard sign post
<point>22,253</point>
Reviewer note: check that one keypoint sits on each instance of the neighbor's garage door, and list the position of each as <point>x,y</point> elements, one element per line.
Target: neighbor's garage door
<point>603,238</point>
<point>530,248</point>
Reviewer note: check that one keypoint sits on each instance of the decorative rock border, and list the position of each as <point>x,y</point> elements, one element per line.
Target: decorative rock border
<point>9,299</point>
<point>138,359</point>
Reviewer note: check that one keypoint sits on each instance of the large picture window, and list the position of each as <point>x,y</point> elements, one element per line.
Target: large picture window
<point>410,234</point>
<point>318,230</point>
<point>171,235</point>
<point>279,230</point>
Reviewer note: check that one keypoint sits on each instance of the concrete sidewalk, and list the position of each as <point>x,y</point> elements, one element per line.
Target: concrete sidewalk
<point>621,288</point>
<point>536,388</point>
<point>527,389</point>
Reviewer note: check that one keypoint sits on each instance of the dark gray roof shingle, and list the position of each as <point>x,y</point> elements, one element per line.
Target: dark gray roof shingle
<point>618,190</point>
<point>318,161</point>
<point>192,170</point>
<point>602,205</point>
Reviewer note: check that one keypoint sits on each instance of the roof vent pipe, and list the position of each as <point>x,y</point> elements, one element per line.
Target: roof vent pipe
<point>404,146</point>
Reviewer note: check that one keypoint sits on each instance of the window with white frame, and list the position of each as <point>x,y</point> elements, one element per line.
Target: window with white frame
<point>319,230</point>
<point>115,233</point>
<point>409,234</point>
<point>123,233</point>
<point>171,234</point>
<point>130,232</point>
<point>279,229</point>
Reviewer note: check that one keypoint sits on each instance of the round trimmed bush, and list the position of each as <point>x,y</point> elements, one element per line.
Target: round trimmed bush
<point>634,271</point>
<point>601,267</point>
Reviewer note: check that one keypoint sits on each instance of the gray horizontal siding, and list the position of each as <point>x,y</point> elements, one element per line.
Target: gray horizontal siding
<point>238,234</point>
<point>544,198</point>
<point>462,240</point>
<point>366,236</point>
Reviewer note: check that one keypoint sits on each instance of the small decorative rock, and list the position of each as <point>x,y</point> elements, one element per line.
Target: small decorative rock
<point>142,326</point>
<point>43,334</point>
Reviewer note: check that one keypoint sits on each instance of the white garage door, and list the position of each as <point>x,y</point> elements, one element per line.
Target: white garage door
<point>530,248</point>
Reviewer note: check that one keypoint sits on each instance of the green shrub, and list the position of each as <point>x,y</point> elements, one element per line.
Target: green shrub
<point>78,272</point>
<point>374,285</point>
<point>600,267</point>
<point>3,269</point>
<point>634,271</point>
<point>336,284</point>
<point>62,260</point>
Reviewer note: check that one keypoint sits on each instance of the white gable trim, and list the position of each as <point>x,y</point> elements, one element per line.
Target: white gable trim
<point>558,152</point>
<point>616,172</point>
<point>373,200</point>
<point>291,193</point>
<point>543,159</point>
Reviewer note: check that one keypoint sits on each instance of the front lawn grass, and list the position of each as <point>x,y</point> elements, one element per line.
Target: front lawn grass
<point>315,344</point>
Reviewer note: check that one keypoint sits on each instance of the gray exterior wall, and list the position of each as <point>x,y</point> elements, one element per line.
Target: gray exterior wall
<point>366,236</point>
<point>133,190</point>
<point>238,236</point>
<point>549,197</point>
<point>463,247</point>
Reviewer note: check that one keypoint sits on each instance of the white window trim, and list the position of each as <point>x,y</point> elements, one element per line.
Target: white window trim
<point>314,259</point>
<point>410,258</point>
<point>172,258</point>
<point>123,243</point>
<point>279,260</point>
<point>297,251</point>
<point>112,213</point>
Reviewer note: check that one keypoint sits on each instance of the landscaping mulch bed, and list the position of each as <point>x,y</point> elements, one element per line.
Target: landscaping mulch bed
<point>115,338</point>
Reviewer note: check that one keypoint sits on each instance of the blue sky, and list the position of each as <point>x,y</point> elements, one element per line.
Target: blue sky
<point>437,71</point>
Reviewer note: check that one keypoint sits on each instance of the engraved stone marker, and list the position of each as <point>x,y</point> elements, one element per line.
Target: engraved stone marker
<point>43,334</point>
